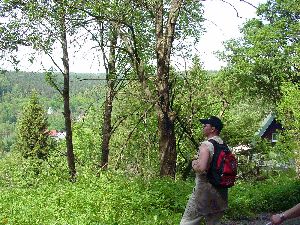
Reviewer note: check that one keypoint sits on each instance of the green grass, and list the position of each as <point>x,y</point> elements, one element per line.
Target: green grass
<point>108,199</point>
<point>114,198</point>
<point>275,194</point>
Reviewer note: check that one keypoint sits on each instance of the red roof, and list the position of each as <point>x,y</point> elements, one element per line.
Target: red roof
<point>52,132</point>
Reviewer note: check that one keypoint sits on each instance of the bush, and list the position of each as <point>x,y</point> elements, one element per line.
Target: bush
<point>272,195</point>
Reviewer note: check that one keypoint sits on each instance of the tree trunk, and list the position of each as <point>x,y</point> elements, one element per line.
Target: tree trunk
<point>110,93</point>
<point>166,117</point>
<point>66,97</point>
<point>167,145</point>
<point>106,129</point>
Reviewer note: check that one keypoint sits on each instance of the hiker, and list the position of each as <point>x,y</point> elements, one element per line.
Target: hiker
<point>288,214</point>
<point>207,201</point>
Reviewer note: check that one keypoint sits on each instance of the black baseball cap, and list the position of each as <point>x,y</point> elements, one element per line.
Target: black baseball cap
<point>214,121</point>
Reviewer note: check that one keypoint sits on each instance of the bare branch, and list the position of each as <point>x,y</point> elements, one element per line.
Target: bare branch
<point>131,133</point>
<point>249,3</point>
<point>54,62</point>
<point>237,13</point>
<point>106,79</point>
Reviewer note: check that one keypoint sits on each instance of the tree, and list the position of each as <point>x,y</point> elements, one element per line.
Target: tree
<point>104,28</point>
<point>111,83</point>
<point>147,32</point>
<point>265,64</point>
<point>62,13</point>
<point>268,53</point>
<point>166,17</point>
<point>32,136</point>
<point>41,24</point>
<point>165,32</point>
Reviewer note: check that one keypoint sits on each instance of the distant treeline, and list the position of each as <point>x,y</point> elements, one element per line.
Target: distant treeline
<point>25,82</point>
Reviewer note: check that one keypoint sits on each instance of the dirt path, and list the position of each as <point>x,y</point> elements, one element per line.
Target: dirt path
<point>261,219</point>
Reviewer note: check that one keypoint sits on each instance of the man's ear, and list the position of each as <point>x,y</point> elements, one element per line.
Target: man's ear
<point>213,129</point>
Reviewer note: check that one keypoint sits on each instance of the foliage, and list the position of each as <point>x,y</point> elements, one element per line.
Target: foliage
<point>288,112</point>
<point>289,109</point>
<point>134,145</point>
<point>6,142</point>
<point>268,53</point>
<point>199,94</point>
<point>110,198</point>
<point>272,195</point>
<point>117,198</point>
<point>86,137</point>
<point>32,138</point>
<point>263,65</point>
<point>263,69</point>
<point>16,88</point>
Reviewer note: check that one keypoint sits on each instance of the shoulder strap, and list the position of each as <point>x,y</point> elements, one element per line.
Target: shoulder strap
<point>216,154</point>
<point>215,143</point>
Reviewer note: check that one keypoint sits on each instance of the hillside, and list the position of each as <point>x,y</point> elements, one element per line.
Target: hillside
<point>16,87</point>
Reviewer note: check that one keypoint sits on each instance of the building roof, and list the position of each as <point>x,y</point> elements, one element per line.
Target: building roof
<point>265,124</point>
<point>53,132</point>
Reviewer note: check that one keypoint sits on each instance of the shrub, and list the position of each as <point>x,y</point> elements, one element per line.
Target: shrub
<point>32,137</point>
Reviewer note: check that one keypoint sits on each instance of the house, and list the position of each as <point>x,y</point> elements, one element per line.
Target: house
<point>50,111</point>
<point>269,128</point>
<point>57,135</point>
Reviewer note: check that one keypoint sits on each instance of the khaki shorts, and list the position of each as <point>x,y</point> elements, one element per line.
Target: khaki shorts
<point>212,219</point>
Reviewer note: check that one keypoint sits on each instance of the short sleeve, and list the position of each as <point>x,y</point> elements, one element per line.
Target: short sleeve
<point>210,147</point>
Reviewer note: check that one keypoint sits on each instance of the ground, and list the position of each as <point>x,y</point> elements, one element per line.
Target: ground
<point>261,219</point>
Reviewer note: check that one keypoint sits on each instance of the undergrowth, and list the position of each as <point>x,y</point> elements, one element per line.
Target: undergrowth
<point>113,198</point>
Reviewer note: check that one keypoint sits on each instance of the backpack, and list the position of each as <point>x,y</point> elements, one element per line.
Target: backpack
<point>222,171</point>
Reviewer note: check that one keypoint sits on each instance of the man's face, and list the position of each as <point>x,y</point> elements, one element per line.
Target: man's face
<point>207,129</point>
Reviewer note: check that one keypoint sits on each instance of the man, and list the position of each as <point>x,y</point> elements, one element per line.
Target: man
<point>207,201</point>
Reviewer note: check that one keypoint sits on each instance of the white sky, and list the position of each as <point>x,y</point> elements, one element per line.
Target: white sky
<point>222,24</point>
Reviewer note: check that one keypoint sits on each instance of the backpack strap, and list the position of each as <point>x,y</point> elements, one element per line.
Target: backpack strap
<point>217,145</point>
<point>214,142</point>
<point>217,151</point>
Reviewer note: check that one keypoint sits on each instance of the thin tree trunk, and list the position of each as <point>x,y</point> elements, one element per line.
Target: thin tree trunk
<point>106,129</point>
<point>66,97</point>
<point>110,93</point>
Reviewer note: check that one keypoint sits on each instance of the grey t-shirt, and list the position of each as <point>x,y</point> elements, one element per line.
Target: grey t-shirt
<point>210,145</point>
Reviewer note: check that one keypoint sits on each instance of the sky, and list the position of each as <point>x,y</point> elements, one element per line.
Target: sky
<point>222,23</point>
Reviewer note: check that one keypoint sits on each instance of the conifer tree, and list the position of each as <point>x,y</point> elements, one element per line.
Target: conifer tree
<point>32,137</point>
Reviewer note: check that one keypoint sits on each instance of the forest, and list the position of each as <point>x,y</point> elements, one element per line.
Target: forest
<point>132,132</point>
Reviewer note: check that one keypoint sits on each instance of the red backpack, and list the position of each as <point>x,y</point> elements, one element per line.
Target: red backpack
<point>222,171</point>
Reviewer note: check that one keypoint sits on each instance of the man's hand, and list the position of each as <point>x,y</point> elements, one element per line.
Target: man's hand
<point>200,164</point>
<point>275,219</point>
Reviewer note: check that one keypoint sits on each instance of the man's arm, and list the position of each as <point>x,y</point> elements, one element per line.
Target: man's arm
<point>288,214</point>
<point>200,165</point>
